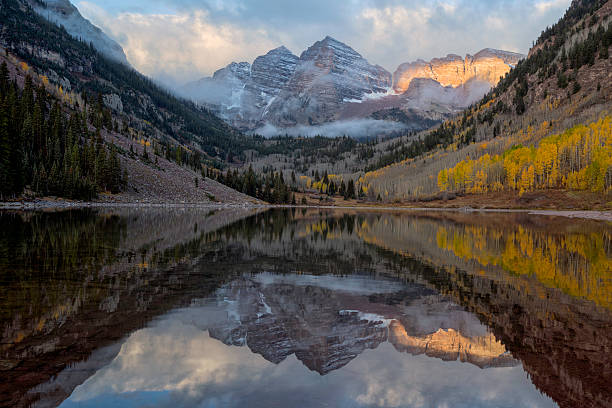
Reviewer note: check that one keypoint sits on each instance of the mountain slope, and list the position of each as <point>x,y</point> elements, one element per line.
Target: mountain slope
<point>63,13</point>
<point>565,81</point>
<point>81,70</point>
<point>91,106</point>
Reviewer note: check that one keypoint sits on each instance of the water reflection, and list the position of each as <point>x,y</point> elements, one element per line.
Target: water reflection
<point>191,307</point>
<point>266,340</point>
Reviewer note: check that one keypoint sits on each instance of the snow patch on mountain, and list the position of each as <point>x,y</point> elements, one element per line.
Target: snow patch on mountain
<point>332,90</point>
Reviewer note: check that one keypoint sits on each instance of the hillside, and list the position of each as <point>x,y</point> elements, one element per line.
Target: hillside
<point>80,125</point>
<point>521,136</point>
<point>65,14</point>
<point>135,99</point>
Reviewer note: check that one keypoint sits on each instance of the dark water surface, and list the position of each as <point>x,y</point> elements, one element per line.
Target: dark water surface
<point>304,308</point>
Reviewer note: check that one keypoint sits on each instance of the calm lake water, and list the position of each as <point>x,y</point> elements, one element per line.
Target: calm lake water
<point>304,308</point>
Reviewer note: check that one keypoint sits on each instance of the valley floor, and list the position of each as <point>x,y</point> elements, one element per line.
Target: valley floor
<point>535,200</point>
<point>54,204</point>
<point>572,204</point>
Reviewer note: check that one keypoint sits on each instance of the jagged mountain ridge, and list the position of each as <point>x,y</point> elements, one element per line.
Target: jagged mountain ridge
<point>331,81</point>
<point>487,65</point>
<point>328,75</point>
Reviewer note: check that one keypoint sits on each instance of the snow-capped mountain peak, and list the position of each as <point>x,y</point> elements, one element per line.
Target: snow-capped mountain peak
<point>331,81</point>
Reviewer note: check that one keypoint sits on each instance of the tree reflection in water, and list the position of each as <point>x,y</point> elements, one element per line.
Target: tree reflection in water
<point>331,293</point>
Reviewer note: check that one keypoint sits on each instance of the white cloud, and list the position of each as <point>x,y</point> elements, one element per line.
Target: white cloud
<point>449,8</point>
<point>179,47</point>
<point>359,128</point>
<point>545,6</point>
<point>495,23</point>
<point>187,39</point>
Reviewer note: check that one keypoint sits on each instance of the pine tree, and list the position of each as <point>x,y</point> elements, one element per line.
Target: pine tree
<point>350,190</point>
<point>124,179</point>
<point>15,173</point>
<point>4,79</point>
<point>115,172</point>
<point>5,152</point>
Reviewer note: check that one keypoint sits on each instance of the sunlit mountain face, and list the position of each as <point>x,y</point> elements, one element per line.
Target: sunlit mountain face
<point>304,307</point>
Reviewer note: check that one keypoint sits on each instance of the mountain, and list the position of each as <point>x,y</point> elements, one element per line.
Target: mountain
<point>330,81</point>
<point>63,13</point>
<point>241,92</point>
<point>328,74</point>
<point>285,90</point>
<point>488,66</point>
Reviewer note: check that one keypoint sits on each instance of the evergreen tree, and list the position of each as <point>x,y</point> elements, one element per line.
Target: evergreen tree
<point>5,152</point>
<point>350,190</point>
<point>4,78</point>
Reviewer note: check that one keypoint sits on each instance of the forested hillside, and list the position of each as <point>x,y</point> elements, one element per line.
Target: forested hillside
<point>505,138</point>
<point>83,72</point>
<point>75,124</point>
<point>54,154</point>
<point>578,159</point>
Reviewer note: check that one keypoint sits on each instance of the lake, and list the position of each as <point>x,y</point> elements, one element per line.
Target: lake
<point>133,307</point>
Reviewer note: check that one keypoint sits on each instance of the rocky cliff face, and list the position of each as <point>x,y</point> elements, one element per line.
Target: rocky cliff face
<point>488,66</point>
<point>269,75</point>
<point>241,92</point>
<point>328,74</point>
<point>63,13</point>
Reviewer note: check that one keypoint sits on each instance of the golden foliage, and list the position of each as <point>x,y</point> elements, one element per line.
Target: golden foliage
<point>578,159</point>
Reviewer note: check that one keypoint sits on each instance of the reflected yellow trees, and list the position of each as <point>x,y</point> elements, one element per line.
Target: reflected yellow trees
<point>570,256</point>
<point>578,264</point>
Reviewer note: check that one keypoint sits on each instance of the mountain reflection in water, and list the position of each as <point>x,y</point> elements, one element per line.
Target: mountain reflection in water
<point>305,308</point>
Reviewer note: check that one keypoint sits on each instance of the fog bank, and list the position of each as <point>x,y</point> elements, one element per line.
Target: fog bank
<point>359,128</point>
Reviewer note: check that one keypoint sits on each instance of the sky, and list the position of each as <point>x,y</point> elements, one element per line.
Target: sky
<point>177,41</point>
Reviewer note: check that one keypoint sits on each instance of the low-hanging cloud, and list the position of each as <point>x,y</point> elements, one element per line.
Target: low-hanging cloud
<point>359,128</point>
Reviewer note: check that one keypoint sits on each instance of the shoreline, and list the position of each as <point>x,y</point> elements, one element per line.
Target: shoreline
<point>43,205</point>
